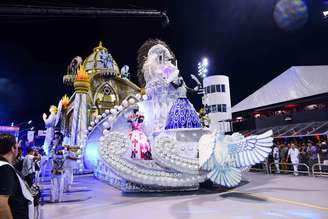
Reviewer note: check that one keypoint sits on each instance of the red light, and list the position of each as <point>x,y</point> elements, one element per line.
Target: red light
<point>291,105</point>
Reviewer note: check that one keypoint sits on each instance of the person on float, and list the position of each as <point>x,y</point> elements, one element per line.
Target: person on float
<point>139,141</point>
<point>57,171</point>
<point>182,113</point>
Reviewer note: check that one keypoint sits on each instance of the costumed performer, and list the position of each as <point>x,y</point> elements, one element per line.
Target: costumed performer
<point>182,114</point>
<point>57,171</point>
<point>140,144</point>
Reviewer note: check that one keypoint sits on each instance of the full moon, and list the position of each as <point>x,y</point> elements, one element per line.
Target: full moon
<point>290,15</point>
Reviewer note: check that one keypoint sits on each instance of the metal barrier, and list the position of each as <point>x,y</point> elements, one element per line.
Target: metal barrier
<point>264,168</point>
<point>291,171</point>
<point>320,172</point>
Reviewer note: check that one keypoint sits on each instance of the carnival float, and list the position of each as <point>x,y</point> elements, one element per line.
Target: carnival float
<point>148,138</point>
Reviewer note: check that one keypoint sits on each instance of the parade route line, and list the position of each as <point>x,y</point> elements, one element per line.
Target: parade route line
<point>282,200</point>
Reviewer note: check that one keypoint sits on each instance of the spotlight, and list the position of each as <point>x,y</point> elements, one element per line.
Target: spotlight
<point>325,14</point>
<point>205,62</point>
<point>202,67</point>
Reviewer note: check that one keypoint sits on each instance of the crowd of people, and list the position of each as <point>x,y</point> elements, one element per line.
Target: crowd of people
<point>307,152</point>
<point>21,176</point>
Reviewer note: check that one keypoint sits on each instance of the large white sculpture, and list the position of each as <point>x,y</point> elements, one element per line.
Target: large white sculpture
<point>224,156</point>
<point>50,123</point>
<point>157,69</point>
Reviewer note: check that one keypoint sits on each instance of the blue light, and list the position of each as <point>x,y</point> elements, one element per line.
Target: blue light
<point>91,155</point>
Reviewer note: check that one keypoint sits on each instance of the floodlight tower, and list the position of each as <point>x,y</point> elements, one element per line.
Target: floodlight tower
<point>202,68</point>
<point>216,99</point>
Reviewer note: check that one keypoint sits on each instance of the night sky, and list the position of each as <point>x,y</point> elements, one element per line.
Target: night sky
<point>239,37</point>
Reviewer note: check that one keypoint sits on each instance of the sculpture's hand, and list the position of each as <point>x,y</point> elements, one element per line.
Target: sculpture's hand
<point>173,76</point>
<point>44,116</point>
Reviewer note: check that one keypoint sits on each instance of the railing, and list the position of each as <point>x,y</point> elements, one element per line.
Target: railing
<point>263,168</point>
<point>291,171</point>
<point>320,172</point>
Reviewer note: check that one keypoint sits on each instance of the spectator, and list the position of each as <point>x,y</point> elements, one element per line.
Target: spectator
<point>312,151</point>
<point>324,151</point>
<point>18,162</point>
<point>37,160</point>
<point>16,201</point>
<point>283,156</point>
<point>303,157</point>
<point>276,157</point>
<point>28,170</point>
<point>293,154</point>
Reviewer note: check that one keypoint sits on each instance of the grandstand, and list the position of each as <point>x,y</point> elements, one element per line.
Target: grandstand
<point>294,104</point>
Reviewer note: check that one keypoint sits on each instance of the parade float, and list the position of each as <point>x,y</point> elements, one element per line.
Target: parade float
<point>150,138</point>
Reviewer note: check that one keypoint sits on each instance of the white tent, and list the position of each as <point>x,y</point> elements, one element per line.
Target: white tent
<point>295,83</point>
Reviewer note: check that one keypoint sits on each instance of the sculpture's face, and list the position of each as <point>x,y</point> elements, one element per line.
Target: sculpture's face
<point>158,63</point>
<point>160,55</point>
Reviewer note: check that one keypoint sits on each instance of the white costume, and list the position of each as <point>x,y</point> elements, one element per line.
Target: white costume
<point>276,158</point>
<point>69,165</point>
<point>57,173</point>
<point>294,153</point>
<point>28,165</point>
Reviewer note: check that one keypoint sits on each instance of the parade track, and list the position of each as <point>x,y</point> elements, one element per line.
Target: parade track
<point>259,196</point>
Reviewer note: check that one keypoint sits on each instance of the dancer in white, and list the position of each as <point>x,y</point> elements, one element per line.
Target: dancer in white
<point>276,158</point>
<point>57,172</point>
<point>69,165</point>
<point>293,153</point>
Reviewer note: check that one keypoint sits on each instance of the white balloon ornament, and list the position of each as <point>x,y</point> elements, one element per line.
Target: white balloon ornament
<point>113,111</point>
<point>106,125</point>
<point>132,101</point>
<point>125,103</point>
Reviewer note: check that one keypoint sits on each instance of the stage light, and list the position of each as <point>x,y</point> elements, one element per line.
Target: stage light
<point>205,62</point>
<point>325,13</point>
<point>202,67</point>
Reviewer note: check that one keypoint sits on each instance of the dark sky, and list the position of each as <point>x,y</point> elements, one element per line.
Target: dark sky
<point>240,39</point>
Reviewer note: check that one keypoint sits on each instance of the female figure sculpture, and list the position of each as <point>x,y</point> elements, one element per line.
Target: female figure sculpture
<point>50,123</point>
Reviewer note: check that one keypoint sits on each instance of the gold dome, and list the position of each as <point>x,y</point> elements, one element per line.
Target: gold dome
<point>101,62</point>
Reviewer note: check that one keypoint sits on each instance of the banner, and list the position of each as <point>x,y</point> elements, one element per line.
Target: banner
<point>30,136</point>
